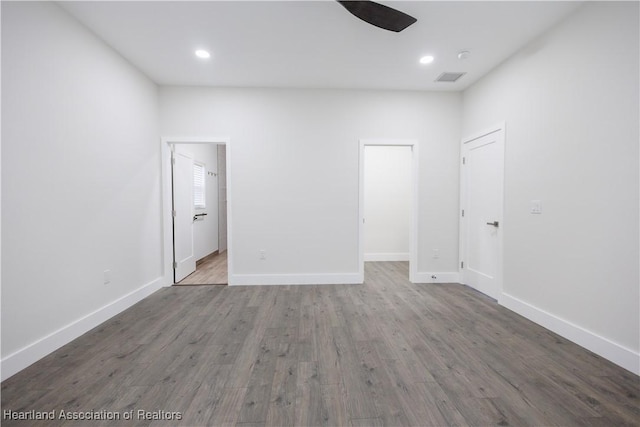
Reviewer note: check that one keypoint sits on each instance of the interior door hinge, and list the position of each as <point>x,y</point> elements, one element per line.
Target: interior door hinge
<point>173,213</point>
<point>464,160</point>
<point>175,265</point>
<point>461,264</point>
<point>462,213</point>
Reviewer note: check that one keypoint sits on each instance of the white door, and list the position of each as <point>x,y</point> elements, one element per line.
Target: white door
<point>183,252</point>
<point>482,199</point>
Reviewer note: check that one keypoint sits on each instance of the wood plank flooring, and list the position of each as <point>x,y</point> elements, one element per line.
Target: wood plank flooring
<point>386,353</point>
<point>211,270</point>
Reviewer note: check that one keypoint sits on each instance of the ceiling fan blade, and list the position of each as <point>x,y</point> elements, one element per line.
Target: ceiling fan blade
<point>379,15</point>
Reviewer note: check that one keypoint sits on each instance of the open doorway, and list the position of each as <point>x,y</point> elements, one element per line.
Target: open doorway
<point>196,198</point>
<point>388,202</point>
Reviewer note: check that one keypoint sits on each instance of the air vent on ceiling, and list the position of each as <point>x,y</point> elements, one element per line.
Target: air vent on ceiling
<point>449,77</point>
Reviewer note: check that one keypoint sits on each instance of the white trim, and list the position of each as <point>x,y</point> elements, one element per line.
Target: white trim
<point>440,277</point>
<point>399,256</point>
<point>35,351</point>
<point>167,234</point>
<point>413,244</point>
<point>294,279</point>
<point>611,351</point>
<point>501,128</point>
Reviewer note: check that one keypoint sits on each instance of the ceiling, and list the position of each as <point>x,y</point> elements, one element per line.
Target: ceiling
<point>314,44</point>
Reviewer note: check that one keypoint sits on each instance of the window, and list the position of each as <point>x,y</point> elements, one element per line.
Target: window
<point>198,186</point>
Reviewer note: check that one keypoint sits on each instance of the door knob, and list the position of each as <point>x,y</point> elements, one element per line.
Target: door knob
<point>494,223</point>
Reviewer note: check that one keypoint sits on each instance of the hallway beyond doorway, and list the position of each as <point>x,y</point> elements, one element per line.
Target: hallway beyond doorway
<point>210,270</point>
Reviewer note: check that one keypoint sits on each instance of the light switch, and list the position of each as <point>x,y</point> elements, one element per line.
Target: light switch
<point>536,207</point>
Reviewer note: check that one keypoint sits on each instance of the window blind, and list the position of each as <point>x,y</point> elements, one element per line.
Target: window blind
<point>198,186</point>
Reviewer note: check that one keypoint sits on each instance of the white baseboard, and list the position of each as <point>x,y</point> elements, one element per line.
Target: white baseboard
<point>387,256</point>
<point>294,279</point>
<point>35,351</point>
<point>438,277</point>
<point>611,351</point>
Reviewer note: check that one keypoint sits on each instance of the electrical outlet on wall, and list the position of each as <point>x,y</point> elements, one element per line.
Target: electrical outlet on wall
<point>263,254</point>
<point>536,207</point>
<point>106,277</point>
<point>436,254</point>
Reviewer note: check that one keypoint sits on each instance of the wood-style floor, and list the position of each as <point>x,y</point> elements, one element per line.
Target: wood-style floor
<point>386,353</point>
<point>211,270</point>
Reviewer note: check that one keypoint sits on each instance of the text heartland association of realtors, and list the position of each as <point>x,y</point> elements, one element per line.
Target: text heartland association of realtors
<point>139,414</point>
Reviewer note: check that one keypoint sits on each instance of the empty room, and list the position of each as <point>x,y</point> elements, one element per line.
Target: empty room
<point>305,213</point>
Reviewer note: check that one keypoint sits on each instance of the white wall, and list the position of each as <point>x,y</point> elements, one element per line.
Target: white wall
<point>570,102</point>
<point>80,182</point>
<point>205,229</point>
<point>294,172</point>
<point>387,203</point>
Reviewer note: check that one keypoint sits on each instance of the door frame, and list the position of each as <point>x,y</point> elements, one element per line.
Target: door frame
<point>413,231</point>
<point>167,201</point>
<point>499,129</point>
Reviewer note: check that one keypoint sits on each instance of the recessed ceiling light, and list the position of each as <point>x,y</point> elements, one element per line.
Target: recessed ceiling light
<point>200,53</point>
<point>428,59</point>
<point>463,54</point>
